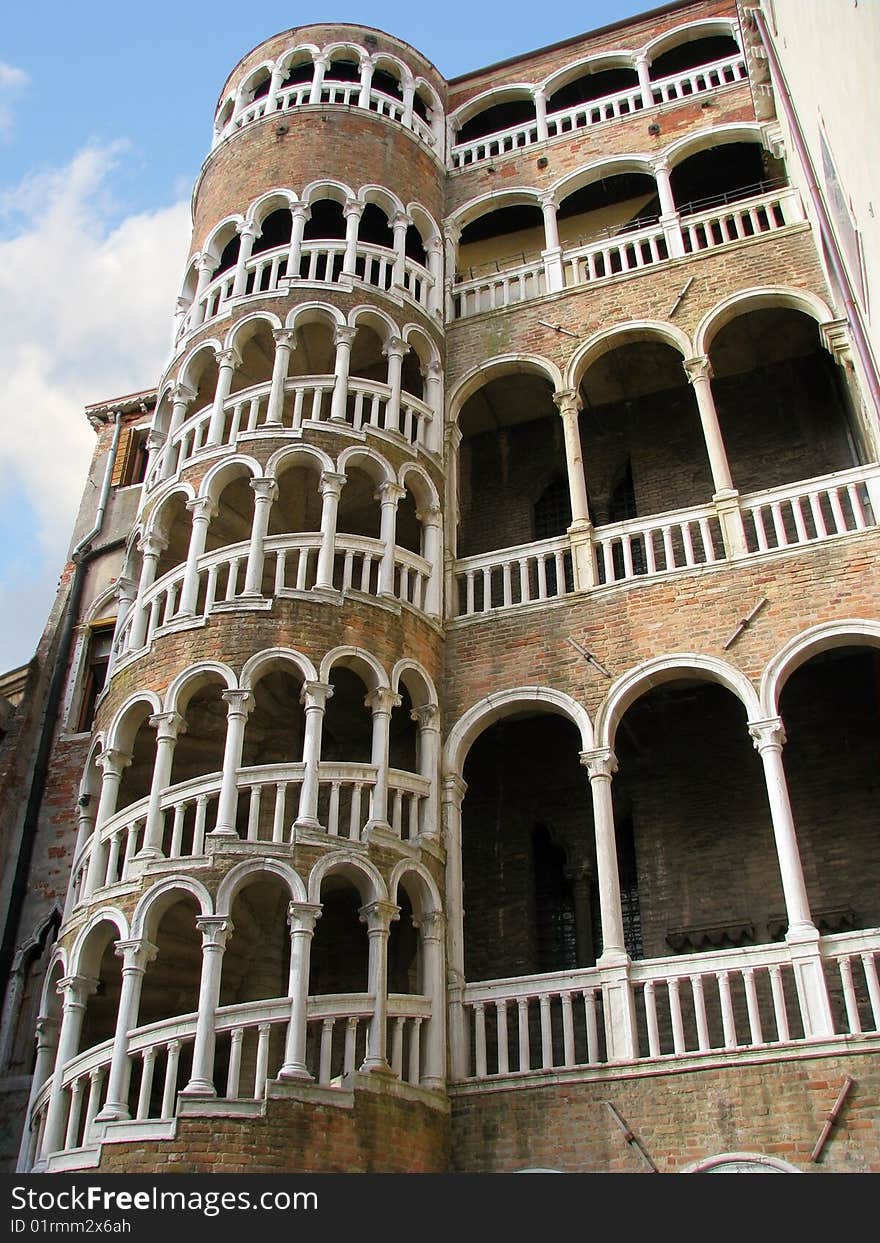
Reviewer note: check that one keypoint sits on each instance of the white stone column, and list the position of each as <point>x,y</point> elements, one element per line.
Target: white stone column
<point>394,350</point>
<point>300,213</point>
<point>428,719</point>
<point>619,1007</point>
<point>74,990</point>
<point>454,789</point>
<point>643,69</point>
<point>434,253</point>
<point>239,706</point>
<point>431,931</point>
<point>331,489</point>
<point>313,696</point>
<point>227,361</point>
<point>203,509</point>
<point>155,443</point>
<point>431,437</point>
<point>181,399</point>
<point>381,703</point>
<point>451,238</point>
<point>112,763</point>
<point>802,937</point>
<point>285,341</point>
<point>388,495</point>
<point>135,956</point>
<point>265,492</point>
<point>301,919</point>
<point>167,725</point>
<point>366,66</point>
<point>580,532</point>
<point>321,63</point>
<point>47,1046</point>
<point>552,253</point>
<point>275,80</point>
<point>539,95</point>
<point>86,810</point>
<point>352,211</point>
<point>248,232</point>
<point>399,225</point>
<point>726,497</point>
<point>214,929</point>
<point>151,546</point>
<point>126,594</point>
<point>378,916</point>
<point>205,268</point>
<point>409,94</point>
<point>432,546</point>
<point>343,340</point>
<point>669,216</point>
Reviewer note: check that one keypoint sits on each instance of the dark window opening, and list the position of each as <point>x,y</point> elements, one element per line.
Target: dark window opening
<point>553,509</point>
<point>498,117</point>
<point>592,86</point>
<point>274,231</point>
<point>229,255</point>
<point>298,74</point>
<point>97,663</point>
<point>387,83</point>
<point>414,247</point>
<point>689,55</point>
<point>261,90</point>
<point>343,71</point>
<point>554,905</point>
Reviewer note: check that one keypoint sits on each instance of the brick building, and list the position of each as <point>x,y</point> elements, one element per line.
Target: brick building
<point>455,740</point>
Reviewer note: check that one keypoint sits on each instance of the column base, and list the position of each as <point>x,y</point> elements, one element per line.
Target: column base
<point>199,1087</point>
<point>148,854</point>
<point>221,832</point>
<point>295,1072</point>
<point>113,1111</point>
<point>376,1067</point>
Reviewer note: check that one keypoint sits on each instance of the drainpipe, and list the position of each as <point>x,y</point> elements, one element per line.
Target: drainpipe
<point>832,249</point>
<point>81,555</point>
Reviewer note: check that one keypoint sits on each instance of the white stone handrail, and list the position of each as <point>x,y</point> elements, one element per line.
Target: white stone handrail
<point>740,219</point>
<point>854,958</point>
<point>609,256</point>
<point>521,574</point>
<point>660,544</point>
<point>814,510</point>
<point>724,72</point>
<point>517,283</point>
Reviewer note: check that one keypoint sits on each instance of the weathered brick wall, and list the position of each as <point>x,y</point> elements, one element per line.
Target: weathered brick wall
<point>776,1109</point>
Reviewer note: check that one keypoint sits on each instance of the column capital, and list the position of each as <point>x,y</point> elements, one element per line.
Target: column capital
<point>430,515</point>
<point>768,735</point>
<point>697,368</point>
<point>240,702</point>
<point>265,489</point>
<point>206,264</point>
<point>431,370</point>
<point>182,394</point>
<point>113,760</point>
<point>400,220</point>
<point>389,493</point>
<point>379,915</point>
<point>538,91</point>
<point>136,954</point>
<point>434,244</point>
<point>837,340</point>
<point>126,588</point>
<point>427,716</point>
<point>353,207</point>
<point>382,699</point>
<point>301,211</point>
<point>155,439</point>
<point>202,507</point>
<point>151,544</point>
<point>452,233</point>
<point>285,337</point>
<point>228,357</point>
<point>395,346</point>
<point>315,694</point>
<point>454,788</point>
<point>302,916</point>
<point>332,482</point>
<point>432,925</point>
<point>641,59</point>
<point>365,61</point>
<point>568,401</point>
<point>321,59</point>
<point>661,165</point>
<point>547,199</point>
<point>248,229</point>
<point>74,989</point>
<point>167,725</point>
<point>599,763</point>
<point>344,334</point>
<point>214,929</point>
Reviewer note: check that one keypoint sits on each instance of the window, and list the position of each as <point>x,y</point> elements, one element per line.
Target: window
<point>131,458</point>
<point>96,664</point>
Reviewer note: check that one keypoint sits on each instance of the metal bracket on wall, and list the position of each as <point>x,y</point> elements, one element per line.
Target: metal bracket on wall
<point>744,622</point>
<point>848,1082</point>
<point>631,1138</point>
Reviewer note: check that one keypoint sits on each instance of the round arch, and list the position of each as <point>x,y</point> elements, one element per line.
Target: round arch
<point>118,733</point>
<point>281,459</point>
<point>597,171</point>
<point>220,474</point>
<point>488,99</point>
<point>363,874</point>
<point>407,665</point>
<point>758,298</point>
<point>159,898</point>
<point>702,140</point>
<point>800,649</point>
<point>81,952</point>
<point>368,460</point>
<point>632,685</point>
<point>188,375</point>
<point>243,329</point>
<point>501,704</point>
<point>255,667</point>
<point>197,674</point>
<point>277,199</point>
<point>355,658</point>
<point>495,200</point>
<point>238,877</point>
<point>314,312</point>
<point>623,334</point>
<point>503,364</point>
<point>426,890</point>
<point>621,59</point>
<point>702,29</point>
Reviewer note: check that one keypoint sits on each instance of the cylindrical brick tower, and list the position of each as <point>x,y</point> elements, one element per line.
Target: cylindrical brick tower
<point>257,892</point>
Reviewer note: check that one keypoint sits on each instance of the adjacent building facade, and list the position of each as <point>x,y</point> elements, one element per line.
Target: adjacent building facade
<point>455,743</point>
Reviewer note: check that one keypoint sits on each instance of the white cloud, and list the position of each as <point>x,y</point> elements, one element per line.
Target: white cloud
<point>91,321</point>
<point>12,80</point>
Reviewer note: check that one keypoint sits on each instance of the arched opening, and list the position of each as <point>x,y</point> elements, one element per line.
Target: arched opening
<point>387,81</point>
<point>783,405</point>
<point>230,527</point>
<point>326,223</point>
<point>256,965</point>
<point>201,375</point>
<point>528,851</point>
<point>404,974</point>
<point>298,71</point>
<point>368,361</point>
<point>275,233</point>
<point>724,174</point>
<point>137,738</point>
<point>511,443</point>
<point>501,239</point>
<point>593,84</point>
<point>199,747</point>
<point>644,453</point>
<point>608,207</point>
<point>228,255</point>
<point>347,736</point>
<point>339,964</point>
<point>19,1053</point>
<point>690,54</point>
<point>273,736</point>
<point>173,522</point>
<point>296,510</point>
<point>343,68</point>
<point>315,352</point>
<point>258,87</point>
<point>496,117</point>
<point>101,963</point>
<point>256,348</point>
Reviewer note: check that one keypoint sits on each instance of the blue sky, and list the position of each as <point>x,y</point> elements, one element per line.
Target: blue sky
<point>105,118</point>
